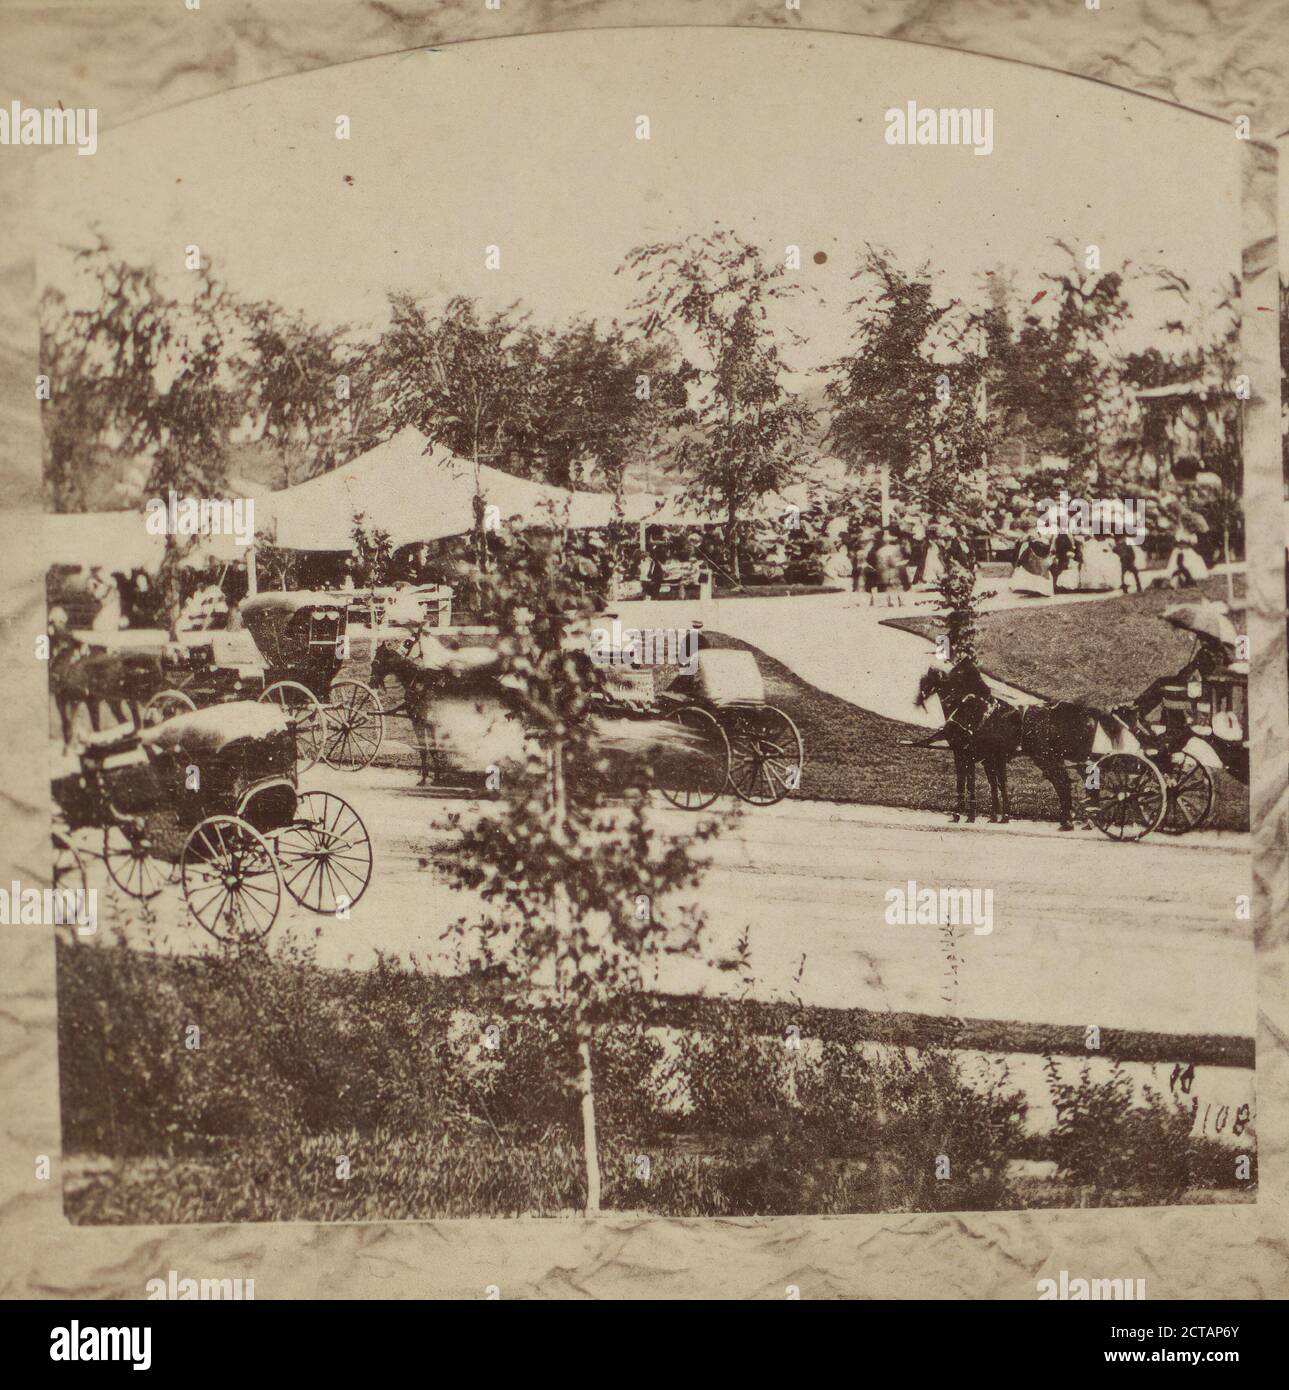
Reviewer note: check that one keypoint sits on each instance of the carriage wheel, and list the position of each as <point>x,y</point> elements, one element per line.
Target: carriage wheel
<point>131,864</point>
<point>1130,798</point>
<point>69,867</point>
<point>355,726</point>
<point>165,704</point>
<point>304,709</point>
<point>694,778</point>
<point>324,854</point>
<point>766,754</point>
<point>1191,791</point>
<point>230,879</point>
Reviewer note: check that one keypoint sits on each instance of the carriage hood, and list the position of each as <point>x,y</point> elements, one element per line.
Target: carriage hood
<point>271,620</point>
<point>210,730</point>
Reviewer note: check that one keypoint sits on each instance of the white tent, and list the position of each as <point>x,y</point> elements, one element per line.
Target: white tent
<point>121,540</point>
<point>397,486</point>
<point>416,491</point>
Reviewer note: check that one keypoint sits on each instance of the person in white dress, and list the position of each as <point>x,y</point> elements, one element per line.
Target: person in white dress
<point>108,597</point>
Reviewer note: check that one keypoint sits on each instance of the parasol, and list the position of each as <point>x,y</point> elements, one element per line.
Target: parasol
<point>1203,619</point>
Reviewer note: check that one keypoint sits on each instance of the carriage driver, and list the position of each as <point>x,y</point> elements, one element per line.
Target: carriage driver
<point>1208,657</point>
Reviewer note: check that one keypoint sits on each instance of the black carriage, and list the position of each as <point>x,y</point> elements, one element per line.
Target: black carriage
<point>290,655</point>
<point>1199,728</point>
<point>210,798</point>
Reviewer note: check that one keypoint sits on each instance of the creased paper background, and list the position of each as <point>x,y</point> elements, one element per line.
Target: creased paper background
<point>133,59</point>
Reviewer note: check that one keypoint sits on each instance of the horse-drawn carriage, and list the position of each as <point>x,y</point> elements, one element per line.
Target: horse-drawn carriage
<point>742,742</point>
<point>291,652</point>
<point>734,739</point>
<point>210,798</point>
<point>1149,766</point>
<point>1201,728</point>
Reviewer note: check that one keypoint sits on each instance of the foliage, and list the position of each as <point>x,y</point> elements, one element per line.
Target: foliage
<point>373,553</point>
<point>906,396</point>
<point>449,1101</point>
<point>298,377</point>
<point>1109,1142</point>
<point>745,432</point>
<point>463,377</point>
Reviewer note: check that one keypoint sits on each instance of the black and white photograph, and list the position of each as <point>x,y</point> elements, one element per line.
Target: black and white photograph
<point>648,623</point>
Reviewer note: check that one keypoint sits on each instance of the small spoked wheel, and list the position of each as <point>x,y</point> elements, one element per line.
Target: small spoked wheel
<point>694,775</point>
<point>165,704</point>
<point>766,754</point>
<point>324,854</point>
<point>230,879</point>
<point>305,711</point>
<point>1191,792</point>
<point>355,726</point>
<point>131,863</point>
<point>1129,798</point>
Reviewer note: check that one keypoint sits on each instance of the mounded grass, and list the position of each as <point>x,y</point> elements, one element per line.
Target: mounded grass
<point>1102,653</point>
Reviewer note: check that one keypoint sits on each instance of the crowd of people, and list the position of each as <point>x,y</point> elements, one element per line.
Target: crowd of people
<point>820,547</point>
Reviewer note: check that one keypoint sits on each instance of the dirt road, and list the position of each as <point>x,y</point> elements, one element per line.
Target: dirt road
<point>1081,930</point>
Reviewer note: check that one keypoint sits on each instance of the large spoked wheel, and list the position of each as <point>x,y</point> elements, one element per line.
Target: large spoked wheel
<point>355,726</point>
<point>230,879</point>
<point>165,704</point>
<point>766,754</point>
<point>303,707</point>
<point>1191,792</point>
<point>131,863</point>
<point>324,854</point>
<point>693,777</point>
<point>1129,799</point>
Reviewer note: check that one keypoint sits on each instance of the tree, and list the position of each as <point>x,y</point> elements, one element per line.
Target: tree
<point>373,551</point>
<point>1081,400</point>
<point>906,397</point>
<point>75,415</point>
<point>602,399</point>
<point>744,431</point>
<point>575,885</point>
<point>465,378</point>
<point>157,380</point>
<point>297,376</point>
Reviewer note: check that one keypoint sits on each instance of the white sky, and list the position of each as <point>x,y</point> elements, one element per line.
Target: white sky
<point>529,143</point>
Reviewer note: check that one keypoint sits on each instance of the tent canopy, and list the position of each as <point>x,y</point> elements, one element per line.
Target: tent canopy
<point>417,491</point>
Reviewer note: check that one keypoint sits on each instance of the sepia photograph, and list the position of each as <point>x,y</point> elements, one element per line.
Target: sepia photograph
<point>650,624</point>
<point>521,680</point>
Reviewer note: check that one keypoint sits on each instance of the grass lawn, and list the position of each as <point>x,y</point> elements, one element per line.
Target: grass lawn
<point>1102,653</point>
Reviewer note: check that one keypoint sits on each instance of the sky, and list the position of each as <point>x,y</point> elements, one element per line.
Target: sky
<point>529,144</point>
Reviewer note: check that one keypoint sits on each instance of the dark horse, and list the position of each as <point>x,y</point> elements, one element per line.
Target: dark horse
<point>123,682</point>
<point>981,727</point>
